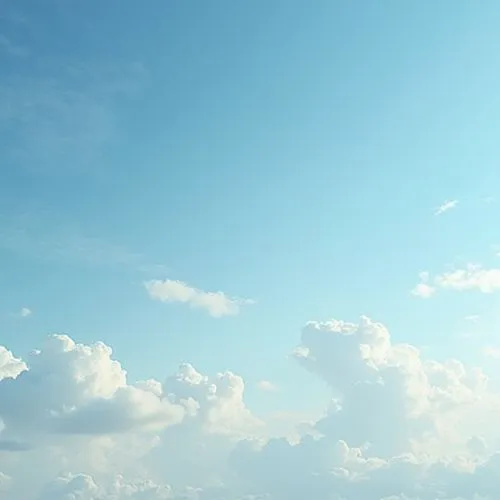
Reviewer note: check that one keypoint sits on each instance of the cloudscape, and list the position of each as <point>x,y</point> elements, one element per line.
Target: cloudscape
<point>249,250</point>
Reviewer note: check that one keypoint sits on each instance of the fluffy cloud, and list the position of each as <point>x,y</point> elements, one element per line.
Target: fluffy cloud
<point>472,277</point>
<point>217,304</point>
<point>399,426</point>
<point>71,388</point>
<point>10,366</point>
<point>84,487</point>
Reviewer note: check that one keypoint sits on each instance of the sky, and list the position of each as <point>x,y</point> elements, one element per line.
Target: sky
<point>249,250</point>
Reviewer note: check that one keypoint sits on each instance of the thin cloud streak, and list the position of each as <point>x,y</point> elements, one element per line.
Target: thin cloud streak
<point>446,206</point>
<point>21,234</point>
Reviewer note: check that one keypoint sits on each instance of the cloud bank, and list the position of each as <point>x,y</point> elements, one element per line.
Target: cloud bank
<point>398,426</point>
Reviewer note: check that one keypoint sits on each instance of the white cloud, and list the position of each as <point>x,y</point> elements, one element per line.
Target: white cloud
<point>492,352</point>
<point>473,318</point>
<point>217,304</point>
<point>75,389</point>
<point>10,366</point>
<point>85,487</point>
<point>444,207</point>
<point>5,482</point>
<point>423,289</point>
<point>267,386</point>
<point>399,426</point>
<point>472,277</point>
<point>25,312</point>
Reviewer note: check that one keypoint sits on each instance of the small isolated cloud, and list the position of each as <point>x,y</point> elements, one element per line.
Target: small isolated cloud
<point>217,304</point>
<point>472,277</point>
<point>447,205</point>
<point>267,386</point>
<point>473,318</point>
<point>423,289</point>
<point>492,352</point>
<point>25,312</point>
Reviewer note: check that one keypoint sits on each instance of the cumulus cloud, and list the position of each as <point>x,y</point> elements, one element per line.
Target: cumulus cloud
<point>72,388</point>
<point>85,487</point>
<point>10,366</point>
<point>472,277</point>
<point>398,426</point>
<point>217,304</point>
<point>444,207</point>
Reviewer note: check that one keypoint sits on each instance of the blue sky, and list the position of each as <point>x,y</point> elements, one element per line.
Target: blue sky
<point>289,152</point>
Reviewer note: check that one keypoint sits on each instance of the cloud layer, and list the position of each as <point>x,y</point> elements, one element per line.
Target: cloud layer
<point>217,304</point>
<point>398,427</point>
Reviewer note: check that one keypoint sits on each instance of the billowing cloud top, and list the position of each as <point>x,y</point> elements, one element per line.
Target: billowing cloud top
<point>398,426</point>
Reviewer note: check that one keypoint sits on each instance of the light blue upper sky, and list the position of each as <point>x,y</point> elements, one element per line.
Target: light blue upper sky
<point>290,152</point>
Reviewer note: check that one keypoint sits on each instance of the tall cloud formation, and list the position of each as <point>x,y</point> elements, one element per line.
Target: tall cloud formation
<point>398,427</point>
<point>217,304</point>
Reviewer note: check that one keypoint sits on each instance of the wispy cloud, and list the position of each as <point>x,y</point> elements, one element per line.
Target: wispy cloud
<point>267,386</point>
<point>25,312</point>
<point>59,117</point>
<point>48,237</point>
<point>473,318</point>
<point>492,352</point>
<point>12,49</point>
<point>217,304</point>
<point>472,277</point>
<point>54,126</point>
<point>446,206</point>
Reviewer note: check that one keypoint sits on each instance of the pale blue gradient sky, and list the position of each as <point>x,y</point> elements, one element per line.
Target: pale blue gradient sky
<point>290,152</point>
